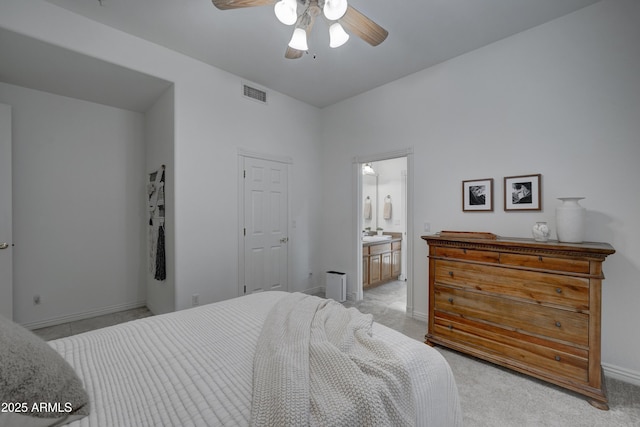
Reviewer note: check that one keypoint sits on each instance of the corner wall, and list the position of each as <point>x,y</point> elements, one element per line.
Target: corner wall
<point>78,171</point>
<point>212,121</point>
<point>562,99</point>
<point>160,146</point>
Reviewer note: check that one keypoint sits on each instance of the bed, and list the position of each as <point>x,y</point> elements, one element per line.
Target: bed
<point>198,367</point>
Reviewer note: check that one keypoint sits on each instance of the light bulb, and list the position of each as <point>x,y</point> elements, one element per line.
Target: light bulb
<point>286,11</point>
<point>337,35</point>
<point>299,40</point>
<point>335,9</point>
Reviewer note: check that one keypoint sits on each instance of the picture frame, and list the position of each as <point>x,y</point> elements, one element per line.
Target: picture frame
<point>477,195</point>
<point>523,193</point>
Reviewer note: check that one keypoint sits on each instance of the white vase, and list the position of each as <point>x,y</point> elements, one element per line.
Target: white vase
<point>570,220</point>
<point>540,231</point>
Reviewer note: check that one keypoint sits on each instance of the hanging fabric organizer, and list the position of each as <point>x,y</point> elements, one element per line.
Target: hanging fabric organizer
<point>157,258</point>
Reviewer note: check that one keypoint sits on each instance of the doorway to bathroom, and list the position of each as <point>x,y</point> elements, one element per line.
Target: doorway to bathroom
<point>383,243</point>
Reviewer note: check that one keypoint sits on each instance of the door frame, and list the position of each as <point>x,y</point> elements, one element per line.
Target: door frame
<point>242,154</point>
<point>6,213</point>
<point>357,207</point>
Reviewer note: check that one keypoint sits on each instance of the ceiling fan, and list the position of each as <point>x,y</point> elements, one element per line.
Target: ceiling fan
<point>303,13</point>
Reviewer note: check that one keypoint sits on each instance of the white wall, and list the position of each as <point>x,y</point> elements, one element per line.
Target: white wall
<point>159,144</point>
<point>562,99</point>
<point>212,121</point>
<point>386,182</point>
<point>77,186</point>
<point>390,184</point>
<point>370,193</point>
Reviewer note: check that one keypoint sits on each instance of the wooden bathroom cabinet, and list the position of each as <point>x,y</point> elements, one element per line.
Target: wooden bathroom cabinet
<point>381,262</point>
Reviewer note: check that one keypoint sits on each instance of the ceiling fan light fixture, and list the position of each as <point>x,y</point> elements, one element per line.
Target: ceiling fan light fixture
<point>337,35</point>
<point>299,40</point>
<point>335,9</point>
<point>286,11</point>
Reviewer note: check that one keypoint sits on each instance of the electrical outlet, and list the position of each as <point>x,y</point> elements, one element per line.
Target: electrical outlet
<point>195,299</point>
<point>427,227</point>
<point>36,299</point>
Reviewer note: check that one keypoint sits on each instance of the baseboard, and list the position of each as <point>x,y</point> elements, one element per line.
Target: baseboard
<point>419,316</point>
<point>621,374</point>
<point>83,315</point>
<point>314,290</point>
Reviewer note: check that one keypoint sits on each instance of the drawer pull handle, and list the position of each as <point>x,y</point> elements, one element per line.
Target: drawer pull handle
<point>464,250</point>
<point>450,327</point>
<point>451,300</point>
<point>559,290</point>
<point>540,258</point>
<point>558,358</point>
<point>451,273</point>
<point>558,324</point>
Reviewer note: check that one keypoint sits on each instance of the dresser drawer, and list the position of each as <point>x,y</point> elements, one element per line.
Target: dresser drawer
<point>564,291</point>
<point>546,262</point>
<point>529,306</point>
<point>510,314</point>
<point>546,357</point>
<point>467,254</point>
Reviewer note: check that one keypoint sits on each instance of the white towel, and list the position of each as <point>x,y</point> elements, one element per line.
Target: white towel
<point>367,209</point>
<point>387,210</point>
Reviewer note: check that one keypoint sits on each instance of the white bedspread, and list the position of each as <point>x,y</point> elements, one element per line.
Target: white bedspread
<point>317,364</point>
<point>195,368</point>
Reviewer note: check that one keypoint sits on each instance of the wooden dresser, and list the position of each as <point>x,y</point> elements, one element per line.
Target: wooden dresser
<point>529,306</point>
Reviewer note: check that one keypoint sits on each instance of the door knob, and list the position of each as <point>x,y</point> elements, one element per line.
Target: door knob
<point>284,240</point>
<point>4,245</point>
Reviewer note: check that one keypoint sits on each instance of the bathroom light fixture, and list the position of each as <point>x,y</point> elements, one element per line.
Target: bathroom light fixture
<point>367,169</point>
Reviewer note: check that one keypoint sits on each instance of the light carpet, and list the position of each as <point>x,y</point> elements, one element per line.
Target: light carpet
<point>496,397</point>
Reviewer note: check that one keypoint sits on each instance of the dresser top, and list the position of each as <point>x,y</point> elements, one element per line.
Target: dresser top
<point>515,243</point>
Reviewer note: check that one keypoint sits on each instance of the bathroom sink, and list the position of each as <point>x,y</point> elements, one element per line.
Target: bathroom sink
<point>382,238</point>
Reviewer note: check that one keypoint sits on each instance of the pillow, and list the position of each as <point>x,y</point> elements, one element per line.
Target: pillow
<point>37,386</point>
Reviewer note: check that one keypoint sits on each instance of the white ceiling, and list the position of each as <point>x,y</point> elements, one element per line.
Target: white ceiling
<point>251,42</point>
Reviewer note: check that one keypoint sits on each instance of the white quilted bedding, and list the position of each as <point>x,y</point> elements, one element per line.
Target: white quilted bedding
<point>195,368</point>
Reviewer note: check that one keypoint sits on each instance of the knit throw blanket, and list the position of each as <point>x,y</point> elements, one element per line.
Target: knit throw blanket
<point>317,364</point>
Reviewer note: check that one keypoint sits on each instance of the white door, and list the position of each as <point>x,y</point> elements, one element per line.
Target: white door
<point>6,251</point>
<point>265,193</point>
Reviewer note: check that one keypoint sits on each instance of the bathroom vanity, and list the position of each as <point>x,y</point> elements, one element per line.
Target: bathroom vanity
<point>381,259</point>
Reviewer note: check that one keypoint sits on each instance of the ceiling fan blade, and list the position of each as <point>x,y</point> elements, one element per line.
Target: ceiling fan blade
<point>292,53</point>
<point>358,24</point>
<point>236,4</point>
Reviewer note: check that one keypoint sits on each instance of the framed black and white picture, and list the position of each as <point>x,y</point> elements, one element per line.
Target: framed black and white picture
<point>477,195</point>
<point>523,193</point>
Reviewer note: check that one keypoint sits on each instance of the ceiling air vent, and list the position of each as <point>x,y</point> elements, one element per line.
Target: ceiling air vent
<point>254,93</point>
